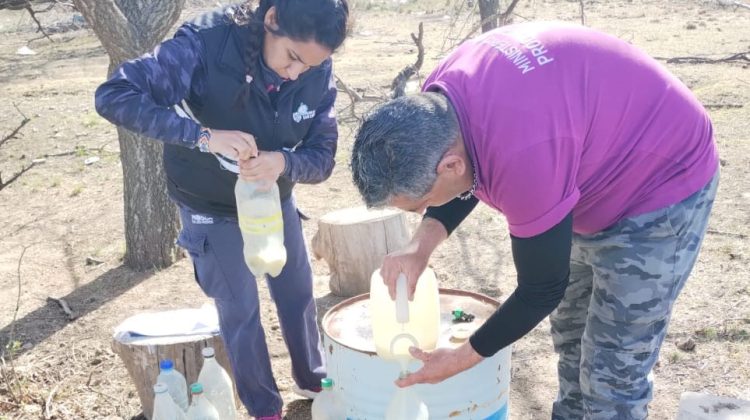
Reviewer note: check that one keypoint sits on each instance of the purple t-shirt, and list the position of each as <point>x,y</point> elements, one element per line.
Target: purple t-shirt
<point>558,117</point>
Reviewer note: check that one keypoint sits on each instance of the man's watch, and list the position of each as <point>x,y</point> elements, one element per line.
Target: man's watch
<point>203,138</point>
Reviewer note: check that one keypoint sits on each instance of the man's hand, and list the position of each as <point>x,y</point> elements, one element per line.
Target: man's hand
<point>408,261</point>
<point>412,260</point>
<point>440,364</point>
<point>235,145</point>
<point>264,169</point>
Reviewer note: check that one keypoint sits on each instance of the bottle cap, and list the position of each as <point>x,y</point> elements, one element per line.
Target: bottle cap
<point>160,387</point>
<point>166,364</point>
<point>208,352</point>
<point>196,388</point>
<point>326,383</point>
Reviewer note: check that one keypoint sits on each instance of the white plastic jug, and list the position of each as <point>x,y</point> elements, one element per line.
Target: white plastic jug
<point>200,407</point>
<point>406,405</point>
<point>400,324</point>
<point>175,383</point>
<point>217,386</point>
<point>328,405</point>
<point>262,227</point>
<point>164,406</point>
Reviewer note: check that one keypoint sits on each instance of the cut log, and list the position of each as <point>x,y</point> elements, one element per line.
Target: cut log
<point>141,356</point>
<point>353,241</point>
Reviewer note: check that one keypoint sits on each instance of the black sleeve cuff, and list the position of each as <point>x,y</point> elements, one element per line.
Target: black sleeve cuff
<point>452,213</point>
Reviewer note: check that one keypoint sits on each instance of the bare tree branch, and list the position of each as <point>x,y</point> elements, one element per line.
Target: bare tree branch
<point>734,58</point>
<point>398,85</point>
<point>16,130</point>
<point>13,381</point>
<point>15,176</point>
<point>39,26</point>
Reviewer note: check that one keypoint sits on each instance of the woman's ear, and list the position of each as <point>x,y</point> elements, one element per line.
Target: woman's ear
<point>270,19</point>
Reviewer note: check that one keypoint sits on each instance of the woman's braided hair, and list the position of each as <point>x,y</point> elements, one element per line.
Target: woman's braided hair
<point>323,21</point>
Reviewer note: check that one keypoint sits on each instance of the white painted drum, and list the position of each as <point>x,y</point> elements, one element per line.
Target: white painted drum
<point>365,381</point>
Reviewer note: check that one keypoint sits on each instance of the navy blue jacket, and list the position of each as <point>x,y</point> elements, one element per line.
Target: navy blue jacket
<point>202,70</point>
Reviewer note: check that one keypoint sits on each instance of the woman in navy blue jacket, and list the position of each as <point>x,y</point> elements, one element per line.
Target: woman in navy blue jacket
<point>250,92</point>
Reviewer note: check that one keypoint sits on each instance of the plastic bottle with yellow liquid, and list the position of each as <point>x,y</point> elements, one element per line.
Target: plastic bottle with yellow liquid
<point>262,227</point>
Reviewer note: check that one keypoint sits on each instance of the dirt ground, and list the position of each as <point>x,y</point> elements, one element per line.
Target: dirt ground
<point>64,213</point>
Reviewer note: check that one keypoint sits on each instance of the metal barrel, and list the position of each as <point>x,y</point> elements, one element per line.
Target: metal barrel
<point>366,381</point>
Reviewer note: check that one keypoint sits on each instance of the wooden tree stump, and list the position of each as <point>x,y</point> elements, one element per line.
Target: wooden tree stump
<point>141,356</point>
<point>353,241</point>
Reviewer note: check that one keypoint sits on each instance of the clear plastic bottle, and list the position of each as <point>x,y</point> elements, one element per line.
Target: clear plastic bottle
<point>175,383</point>
<point>164,406</point>
<point>200,407</point>
<point>328,405</point>
<point>262,227</point>
<point>217,385</point>
<point>406,404</point>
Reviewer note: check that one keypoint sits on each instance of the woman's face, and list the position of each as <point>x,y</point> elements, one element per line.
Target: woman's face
<point>287,57</point>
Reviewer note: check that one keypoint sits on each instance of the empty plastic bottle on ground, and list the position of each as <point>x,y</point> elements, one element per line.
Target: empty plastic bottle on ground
<point>327,405</point>
<point>406,404</point>
<point>164,406</point>
<point>217,385</point>
<point>175,383</point>
<point>200,407</point>
<point>262,227</point>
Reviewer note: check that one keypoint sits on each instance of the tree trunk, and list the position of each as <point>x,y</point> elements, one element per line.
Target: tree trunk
<point>128,29</point>
<point>488,13</point>
<point>141,358</point>
<point>151,220</point>
<point>354,241</point>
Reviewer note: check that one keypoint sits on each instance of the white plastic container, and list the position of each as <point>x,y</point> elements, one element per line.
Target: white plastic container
<point>406,404</point>
<point>164,406</point>
<point>262,227</point>
<point>217,386</point>
<point>328,404</point>
<point>400,324</point>
<point>200,407</point>
<point>175,383</point>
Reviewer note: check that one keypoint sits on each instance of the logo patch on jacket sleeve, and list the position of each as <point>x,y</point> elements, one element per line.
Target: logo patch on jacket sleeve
<point>303,113</point>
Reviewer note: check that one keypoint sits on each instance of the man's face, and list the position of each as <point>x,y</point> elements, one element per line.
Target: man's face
<point>443,190</point>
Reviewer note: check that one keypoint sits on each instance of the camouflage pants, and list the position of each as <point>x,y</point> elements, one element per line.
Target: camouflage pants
<point>609,327</point>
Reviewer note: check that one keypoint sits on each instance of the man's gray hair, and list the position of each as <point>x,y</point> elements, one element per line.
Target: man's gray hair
<point>399,145</point>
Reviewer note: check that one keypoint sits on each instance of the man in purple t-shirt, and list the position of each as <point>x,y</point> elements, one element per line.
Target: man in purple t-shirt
<point>604,166</point>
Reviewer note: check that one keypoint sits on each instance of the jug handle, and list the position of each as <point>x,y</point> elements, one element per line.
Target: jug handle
<point>403,336</point>
<point>402,299</point>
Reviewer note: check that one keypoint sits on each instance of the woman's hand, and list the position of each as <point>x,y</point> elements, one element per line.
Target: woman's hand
<point>264,169</point>
<point>440,364</point>
<point>235,145</point>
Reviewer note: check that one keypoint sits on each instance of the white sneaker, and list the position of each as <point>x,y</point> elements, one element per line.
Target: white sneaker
<point>306,393</point>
